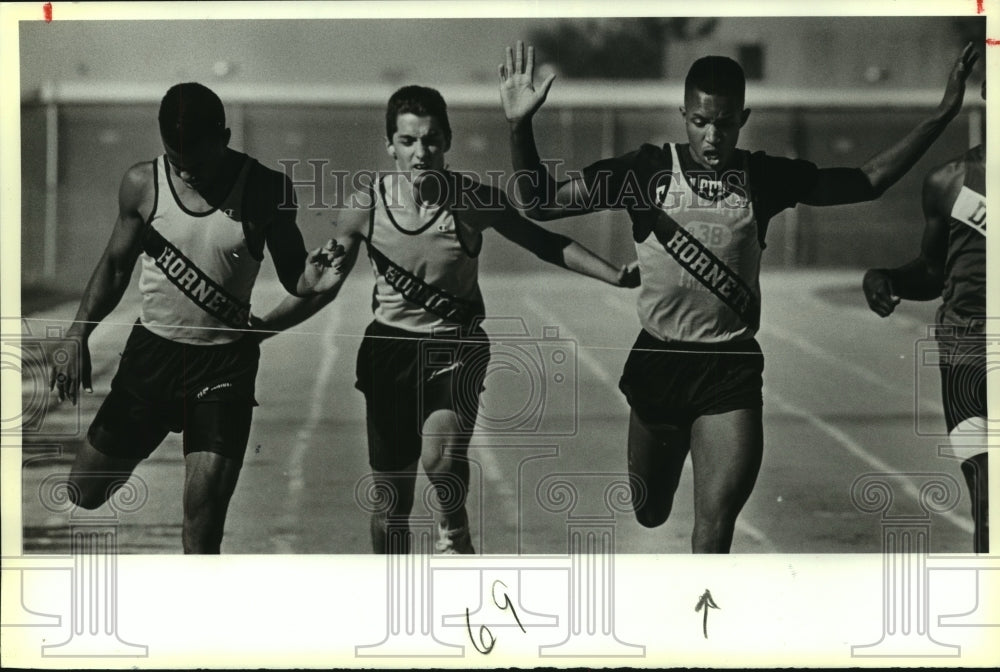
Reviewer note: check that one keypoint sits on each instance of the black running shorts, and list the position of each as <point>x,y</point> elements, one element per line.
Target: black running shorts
<point>674,383</point>
<point>161,386</point>
<point>405,376</point>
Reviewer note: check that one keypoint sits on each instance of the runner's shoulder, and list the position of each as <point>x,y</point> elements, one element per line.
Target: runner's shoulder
<point>483,193</point>
<point>654,156</point>
<point>274,185</point>
<point>138,181</point>
<point>269,195</point>
<point>478,203</point>
<point>762,159</point>
<point>946,178</point>
<point>140,174</point>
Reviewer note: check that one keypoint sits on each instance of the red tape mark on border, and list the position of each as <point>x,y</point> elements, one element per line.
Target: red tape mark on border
<point>47,12</point>
<point>992,42</point>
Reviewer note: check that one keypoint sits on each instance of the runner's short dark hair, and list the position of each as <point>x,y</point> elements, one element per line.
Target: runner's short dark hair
<point>716,75</point>
<point>189,114</point>
<point>422,101</point>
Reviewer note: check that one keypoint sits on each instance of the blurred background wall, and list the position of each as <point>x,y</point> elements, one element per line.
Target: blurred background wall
<point>833,90</point>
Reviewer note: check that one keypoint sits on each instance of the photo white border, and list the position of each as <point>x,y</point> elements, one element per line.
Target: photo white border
<point>311,611</point>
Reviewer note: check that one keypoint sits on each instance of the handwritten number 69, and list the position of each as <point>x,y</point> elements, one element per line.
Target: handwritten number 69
<point>486,639</point>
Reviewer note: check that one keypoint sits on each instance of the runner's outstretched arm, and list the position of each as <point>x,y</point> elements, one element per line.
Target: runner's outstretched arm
<point>564,252</point>
<point>482,206</point>
<point>837,186</point>
<point>108,282</point>
<point>294,310</point>
<point>302,274</point>
<point>540,196</point>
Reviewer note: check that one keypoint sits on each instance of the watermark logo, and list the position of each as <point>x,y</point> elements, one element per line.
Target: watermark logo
<point>521,385</point>
<point>31,357</point>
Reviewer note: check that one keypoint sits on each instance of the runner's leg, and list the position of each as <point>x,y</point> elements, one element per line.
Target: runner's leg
<point>125,430</point>
<point>969,440</point>
<point>215,439</point>
<point>390,524</point>
<point>445,458</point>
<point>975,470</point>
<point>726,453</point>
<point>656,455</point>
<point>96,476</point>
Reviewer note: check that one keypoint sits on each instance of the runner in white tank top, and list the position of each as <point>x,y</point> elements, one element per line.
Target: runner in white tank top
<point>200,217</point>
<point>424,257</point>
<point>673,305</point>
<point>413,250</point>
<point>693,379</point>
<point>197,267</point>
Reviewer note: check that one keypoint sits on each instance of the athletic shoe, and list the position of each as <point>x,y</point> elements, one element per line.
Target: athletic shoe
<point>454,541</point>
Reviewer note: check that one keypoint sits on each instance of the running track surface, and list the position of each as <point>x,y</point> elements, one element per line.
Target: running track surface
<point>845,394</point>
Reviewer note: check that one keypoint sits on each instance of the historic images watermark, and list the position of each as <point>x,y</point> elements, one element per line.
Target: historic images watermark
<point>324,188</point>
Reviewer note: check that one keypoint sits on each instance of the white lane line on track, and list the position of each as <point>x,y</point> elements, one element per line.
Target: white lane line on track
<point>856,449</point>
<point>842,363</point>
<point>602,374</point>
<point>318,405</point>
<point>757,535</point>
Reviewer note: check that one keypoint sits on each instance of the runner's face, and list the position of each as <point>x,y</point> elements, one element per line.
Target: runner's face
<point>197,166</point>
<point>418,144</point>
<point>713,125</point>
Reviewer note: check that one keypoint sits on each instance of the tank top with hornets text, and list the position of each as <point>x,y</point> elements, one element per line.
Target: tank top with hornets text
<point>197,268</point>
<point>673,304</point>
<point>964,291</point>
<point>425,265</point>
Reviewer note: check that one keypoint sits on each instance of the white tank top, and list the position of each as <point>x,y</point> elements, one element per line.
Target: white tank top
<point>673,305</point>
<point>425,264</point>
<point>197,269</point>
